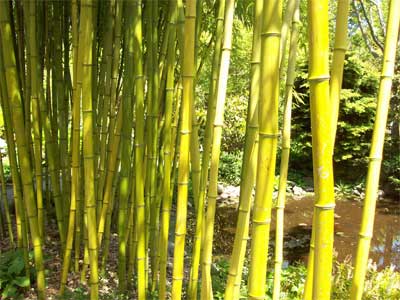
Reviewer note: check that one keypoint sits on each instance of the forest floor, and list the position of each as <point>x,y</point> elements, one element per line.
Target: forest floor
<point>385,247</point>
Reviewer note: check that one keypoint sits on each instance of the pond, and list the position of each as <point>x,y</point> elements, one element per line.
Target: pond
<point>385,245</point>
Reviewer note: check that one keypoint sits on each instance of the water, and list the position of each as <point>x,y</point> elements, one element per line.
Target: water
<point>385,244</point>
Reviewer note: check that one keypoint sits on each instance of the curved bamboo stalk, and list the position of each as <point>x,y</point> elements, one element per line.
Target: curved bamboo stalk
<point>280,206</point>
<point>268,140</point>
<point>375,157</point>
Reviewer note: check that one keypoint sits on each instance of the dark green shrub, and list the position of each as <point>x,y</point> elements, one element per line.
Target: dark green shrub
<point>230,167</point>
<point>12,274</point>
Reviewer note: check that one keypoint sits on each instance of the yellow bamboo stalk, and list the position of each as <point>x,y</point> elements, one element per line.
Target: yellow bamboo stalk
<point>86,40</point>
<point>321,120</point>
<point>167,147</point>
<point>206,287</point>
<point>287,20</point>
<point>334,90</point>
<point>268,140</point>
<point>35,72</point>
<point>188,72</point>
<point>211,104</point>
<point>75,162</point>
<point>15,175</point>
<point>139,153</point>
<point>280,206</point>
<point>375,156</point>
<point>249,167</point>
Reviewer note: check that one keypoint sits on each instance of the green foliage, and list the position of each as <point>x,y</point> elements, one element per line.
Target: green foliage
<point>237,90</point>
<point>12,274</point>
<point>384,284</point>
<point>356,118</point>
<point>219,273</point>
<point>391,172</point>
<point>230,167</point>
<point>293,280</point>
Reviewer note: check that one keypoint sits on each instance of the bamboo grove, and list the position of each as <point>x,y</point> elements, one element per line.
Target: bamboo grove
<point>99,107</point>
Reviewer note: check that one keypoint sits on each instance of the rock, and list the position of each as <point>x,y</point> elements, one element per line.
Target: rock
<point>298,191</point>
<point>381,193</point>
<point>309,189</point>
<point>220,189</point>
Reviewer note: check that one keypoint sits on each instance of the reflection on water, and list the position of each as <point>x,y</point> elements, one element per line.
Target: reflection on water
<point>385,244</point>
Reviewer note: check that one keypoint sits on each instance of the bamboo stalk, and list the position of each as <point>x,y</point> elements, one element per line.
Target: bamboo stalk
<point>321,120</point>
<point>268,138</point>
<point>280,206</point>
<point>211,104</point>
<point>124,188</point>
<point>15,103</point>
<point>167,148</point>
<point>206,287</point>
<point>334,90</point>
<point>86,40</point>
<point>375,156</point>
<point>188,72</point>
<point>5,203</point>
<point>139,152</point>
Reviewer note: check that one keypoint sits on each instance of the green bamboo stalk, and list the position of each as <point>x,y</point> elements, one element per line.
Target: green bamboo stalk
<point>15,103</point>
<point>75,161</point>
<point>287,20</point>
<point>152,158</point>
<point>206,288</point>
<point>249,166</point>
<point>211,104</point>
<point>86,40</point>
<point>375,157</point>
<point>167,148</point>
<point>5,202</point>
<point>31,13</point>
<point>124,187</point>
<point>280,205</point>
<point>17,190</point>
<point>108,54</point>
